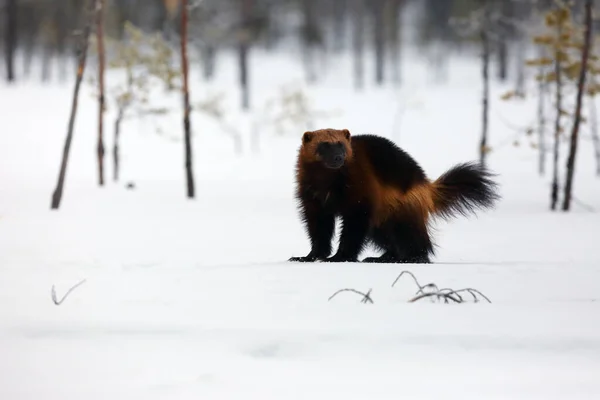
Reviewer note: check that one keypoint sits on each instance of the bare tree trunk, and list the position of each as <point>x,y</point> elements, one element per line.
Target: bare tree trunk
<point>506,10</point>
<point>28,38</point>
<point>522,11</point>
<point>186,101</point>
<point>116,152</point>
<point>395,38</point>
<point>339,18</point>
<point>46,61</point>
<point>485,74</point>
<point>11,38</point>
<point>358,42</point>
<point>542,90</point>
<point>101,105</point>
<point>243,53</point>
<point>520,82</point>
<point>243,60</point>
<point>557,127</point>
<point>83,47</point>
<point>311,38</point>
<point>542,93</point>
<point>502,59</point>
<point>594,129</point>
<point>580,89</point>
<point>208,55</point>
<point>378,11</point>
<point>117,133</point>
<point>62,21</point>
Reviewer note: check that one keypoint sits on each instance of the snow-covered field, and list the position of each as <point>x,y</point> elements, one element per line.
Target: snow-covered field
<point>194,300</point>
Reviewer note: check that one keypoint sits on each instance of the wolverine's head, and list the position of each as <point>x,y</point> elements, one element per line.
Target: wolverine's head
<point>330,147</point>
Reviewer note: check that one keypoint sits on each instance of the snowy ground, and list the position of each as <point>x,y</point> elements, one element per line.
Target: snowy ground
<point>193,299</point>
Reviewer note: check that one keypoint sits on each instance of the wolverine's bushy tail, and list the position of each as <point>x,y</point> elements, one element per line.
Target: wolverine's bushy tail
<point>463,189</point>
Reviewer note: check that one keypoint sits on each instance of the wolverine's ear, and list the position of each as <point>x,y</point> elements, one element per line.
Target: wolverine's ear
<point>346,133</point>
<point>307,137</point>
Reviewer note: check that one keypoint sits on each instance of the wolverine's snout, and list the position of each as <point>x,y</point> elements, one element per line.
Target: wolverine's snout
<point>332,154</point>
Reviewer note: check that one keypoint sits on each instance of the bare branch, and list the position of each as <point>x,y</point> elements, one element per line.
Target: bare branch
<point>452,292</point>
<point>446,294</point>
<point>583,205</point>
<point>449,294</point>
<point>438,295</point>
<point>409,273</point>
<point>366,296</point>
<point>59,302</point>
<point>472,292</point>
<point>421,287</point>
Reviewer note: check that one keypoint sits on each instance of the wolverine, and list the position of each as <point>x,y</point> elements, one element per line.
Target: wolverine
<point>381,195</point>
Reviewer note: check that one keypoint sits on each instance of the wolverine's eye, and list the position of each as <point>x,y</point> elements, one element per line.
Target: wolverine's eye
<point>337,147</point>
<point>323,148</point>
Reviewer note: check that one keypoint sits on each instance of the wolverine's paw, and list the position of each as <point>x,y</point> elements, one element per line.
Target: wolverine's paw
<point>308,258</point>
<point>302,259</point>
<point>376,260</point>
<point>384,258</point>
<point>340,258</point>
<point>416,260</point>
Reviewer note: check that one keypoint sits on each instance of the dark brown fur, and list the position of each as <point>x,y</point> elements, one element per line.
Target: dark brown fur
<point>382,195</point>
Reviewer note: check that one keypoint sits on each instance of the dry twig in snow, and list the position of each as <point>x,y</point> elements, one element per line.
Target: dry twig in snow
<point>450,294</point>
<point>59,302</point>
<point>366,296</point>
<point>429,285</point>
<point>472,292</point>
<point>439,295</point>
<point>445,294</point>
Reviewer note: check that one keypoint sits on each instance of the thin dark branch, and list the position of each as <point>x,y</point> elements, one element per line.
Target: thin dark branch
<point>421,287</point>
<point>429,285</point>
<point>438,295</point>
<point>100,6</point>
<point>485,66</point>
<point>473,293</point>
<point>583,205</point>
<point>59,302</point>
<point>187,130</point>
<point>452,292</point>
<point>594,133</point>
<point>449,294</point>
<point>557,121</point>
<point>366,296</point>
<point>570,167</point>
<point>446,293</point>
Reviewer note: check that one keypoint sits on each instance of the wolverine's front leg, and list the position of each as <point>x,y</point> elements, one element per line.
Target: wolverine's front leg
<point>320,224</point>
<point>355,226</point>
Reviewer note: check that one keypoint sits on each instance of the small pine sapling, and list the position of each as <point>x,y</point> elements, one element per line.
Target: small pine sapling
<point>287,111</point>
<point>562,38</point>
<point>145,63</point>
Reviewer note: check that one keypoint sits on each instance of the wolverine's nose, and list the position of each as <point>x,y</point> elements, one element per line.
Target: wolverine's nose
<point>338,159</point>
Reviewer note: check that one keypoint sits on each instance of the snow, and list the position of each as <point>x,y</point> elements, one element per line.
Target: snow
<point>194,299</point>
